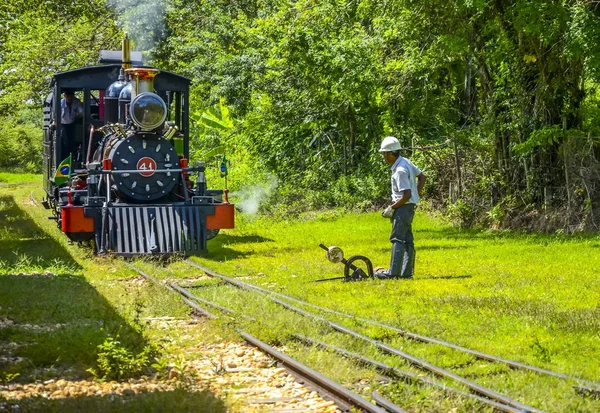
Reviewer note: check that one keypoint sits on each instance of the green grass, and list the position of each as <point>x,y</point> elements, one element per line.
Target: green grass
<point>531,298</point>
<point>466,281</point>
<point>19,178</point>
<point>26,247</point>
<point>58,317</point>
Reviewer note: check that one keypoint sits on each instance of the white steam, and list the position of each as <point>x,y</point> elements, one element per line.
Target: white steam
<point>144,21</point>
<point>252,197</point>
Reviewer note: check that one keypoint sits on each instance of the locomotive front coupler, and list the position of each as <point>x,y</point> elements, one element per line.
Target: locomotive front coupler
<point>335,255</point>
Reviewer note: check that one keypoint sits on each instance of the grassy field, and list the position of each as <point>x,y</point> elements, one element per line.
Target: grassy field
<point>531,298</point>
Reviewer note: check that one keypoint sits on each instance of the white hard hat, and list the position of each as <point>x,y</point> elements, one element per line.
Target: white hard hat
<point>390,144</point>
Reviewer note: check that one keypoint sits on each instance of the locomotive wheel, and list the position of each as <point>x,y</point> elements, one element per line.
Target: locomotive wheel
<point>211,233</point>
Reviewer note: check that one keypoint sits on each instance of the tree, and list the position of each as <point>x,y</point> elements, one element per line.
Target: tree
<point>40,39</point>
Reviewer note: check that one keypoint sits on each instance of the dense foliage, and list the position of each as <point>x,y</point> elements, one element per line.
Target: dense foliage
<point>496,100</point>
<point>36,41</point>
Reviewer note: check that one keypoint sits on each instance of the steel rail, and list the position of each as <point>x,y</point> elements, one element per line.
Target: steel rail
<point>191,296</point>
<point>385,403</point>
<point>583,386</point>
<point>338,393</point>
<point>143,274</point>
<point>331,387</point>
<point>391,407</point>
<point>390,371</point>
<point>199,310</point>
<point>32,199</point>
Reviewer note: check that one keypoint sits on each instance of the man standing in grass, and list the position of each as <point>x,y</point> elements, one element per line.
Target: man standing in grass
<point>407,184</point>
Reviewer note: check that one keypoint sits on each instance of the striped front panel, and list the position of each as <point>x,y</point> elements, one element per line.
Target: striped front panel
<point>136,230</point>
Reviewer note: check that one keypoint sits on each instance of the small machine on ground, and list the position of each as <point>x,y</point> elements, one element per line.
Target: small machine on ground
<point>335,255</point>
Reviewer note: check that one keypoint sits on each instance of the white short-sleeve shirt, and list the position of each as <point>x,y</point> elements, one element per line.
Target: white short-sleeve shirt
<point>68,115</point>
<point>404,176</point>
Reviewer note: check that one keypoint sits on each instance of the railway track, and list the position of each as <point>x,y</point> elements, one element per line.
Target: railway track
<point>477,392</point>
<point>581,385</point>
<point>385,369</point>
<point>344,398</point>
<point>32,199</point>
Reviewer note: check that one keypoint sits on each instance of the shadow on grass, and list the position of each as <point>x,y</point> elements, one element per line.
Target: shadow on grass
<point>419,247</point>
<point>57,324</point>
<point>199,286</point>
<point>442,247</point>
<point>178,400</point>
<point>51,324</point>
<point>240,239</point>
<point>221,253</point>
<point>444,277</point>
<point>23,243</point>
<point>450,233</point>
<point>218,248</point>
<point>458,233</point>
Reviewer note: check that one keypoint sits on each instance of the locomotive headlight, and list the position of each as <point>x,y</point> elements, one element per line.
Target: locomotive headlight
<point>148,110</point>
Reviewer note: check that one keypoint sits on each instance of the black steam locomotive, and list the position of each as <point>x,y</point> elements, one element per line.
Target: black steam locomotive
<point>118,175</point>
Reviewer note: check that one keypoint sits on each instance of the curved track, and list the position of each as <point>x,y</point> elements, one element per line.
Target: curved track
<point>343,397</point>
<point>482,394</point>
<point>584,386</point>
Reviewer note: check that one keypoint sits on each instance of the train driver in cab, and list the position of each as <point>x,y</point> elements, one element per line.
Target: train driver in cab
<point>71,110</point>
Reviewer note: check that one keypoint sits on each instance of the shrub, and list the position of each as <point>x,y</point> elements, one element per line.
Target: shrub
<point>116,362</point>
<point>20,145</point>
<point>461,213</point>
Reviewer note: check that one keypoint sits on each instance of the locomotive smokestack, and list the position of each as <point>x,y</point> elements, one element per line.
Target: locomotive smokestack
<point>142,79</point>
<point>126,56</point>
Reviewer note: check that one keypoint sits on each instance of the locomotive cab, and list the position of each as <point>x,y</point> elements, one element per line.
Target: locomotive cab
<point>119,175</point>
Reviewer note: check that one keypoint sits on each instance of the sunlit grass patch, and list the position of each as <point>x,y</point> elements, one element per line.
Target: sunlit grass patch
<point>532,298</point>
<point>56,296</point>
<point>25,247</point>
<point>25,264</point>
<point>19,178</point>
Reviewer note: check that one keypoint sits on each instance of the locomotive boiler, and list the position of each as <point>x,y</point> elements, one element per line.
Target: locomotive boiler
<point>119,175</point>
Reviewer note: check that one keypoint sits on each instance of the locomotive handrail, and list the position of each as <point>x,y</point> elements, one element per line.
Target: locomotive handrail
<point>137,171</point>
<point>134,171</point>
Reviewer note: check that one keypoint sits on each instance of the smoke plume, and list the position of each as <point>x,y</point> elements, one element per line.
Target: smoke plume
<point>144,21</point>
<point>252,197</point>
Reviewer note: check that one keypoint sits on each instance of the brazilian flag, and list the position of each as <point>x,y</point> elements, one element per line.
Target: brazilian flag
<point>63,172</point>
<point>223,167</point>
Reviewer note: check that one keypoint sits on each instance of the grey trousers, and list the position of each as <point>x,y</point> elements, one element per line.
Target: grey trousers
<point>402,263</point>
